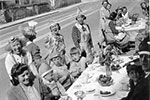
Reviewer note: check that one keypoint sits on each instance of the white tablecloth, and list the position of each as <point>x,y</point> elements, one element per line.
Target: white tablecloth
<point>94,71</point>
<point>138,26</point>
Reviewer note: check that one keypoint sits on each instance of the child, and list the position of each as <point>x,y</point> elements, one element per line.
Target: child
<point>62,73</point>
<point>56,88</point>
<point>78,63</point>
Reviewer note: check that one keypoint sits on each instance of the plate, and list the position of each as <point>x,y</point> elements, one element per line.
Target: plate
<point>90,90</point>
<point>107,93</point>
<point>79,94</point>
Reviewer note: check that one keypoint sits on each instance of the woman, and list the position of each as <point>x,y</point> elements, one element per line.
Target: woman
<point>16,55</point>
<point>55,42</point>
<point>136,75</point>
<point>113,36</point>
<point>125,15</point>
<point>29,36</point>
<point>81,35</point>
<point>104,14</point>
<point>26,87</point>
<point>145,8</point>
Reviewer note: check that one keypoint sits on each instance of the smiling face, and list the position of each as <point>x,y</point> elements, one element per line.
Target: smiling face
<point>54,28</point>
<point>24,78</point>
<point>75,56</point>
<point>16,47</point>
<point>80,20</point>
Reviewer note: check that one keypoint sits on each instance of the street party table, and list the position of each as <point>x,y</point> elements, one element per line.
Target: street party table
<point>140,24</point>
<point>133,30</point>
<point>88,83</point>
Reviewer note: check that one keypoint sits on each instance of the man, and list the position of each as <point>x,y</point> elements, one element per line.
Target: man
<point>142,90</point>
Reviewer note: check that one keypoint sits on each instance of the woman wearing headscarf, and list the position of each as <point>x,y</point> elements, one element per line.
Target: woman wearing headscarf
<point>16,54</point>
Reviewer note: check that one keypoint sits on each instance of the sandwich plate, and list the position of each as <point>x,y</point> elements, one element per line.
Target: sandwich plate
<point>107,93</point>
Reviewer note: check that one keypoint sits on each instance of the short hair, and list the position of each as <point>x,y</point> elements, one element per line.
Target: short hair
<point>105,1</point>
<point>124,7</point>
<point>74,50</point>
<point>142,4</point>
<point>82,16</point>
<point>59,27</point>
<point>133,66</point>
<point>119,8</point>
<point>18,69</point>
<point>112,16</point>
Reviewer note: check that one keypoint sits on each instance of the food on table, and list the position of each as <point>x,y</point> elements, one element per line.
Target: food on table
<point>90,89</point>
<point>65,97</point>
<point>105,80</point>
<point>105,92</point>
<point>80,94</point>
<point>115,67</point>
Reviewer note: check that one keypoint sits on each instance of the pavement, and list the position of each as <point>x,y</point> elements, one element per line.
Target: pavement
<point>66,18</point>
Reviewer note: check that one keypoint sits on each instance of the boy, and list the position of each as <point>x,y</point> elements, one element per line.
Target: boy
<point>62,73</point>
<point>78,63</point>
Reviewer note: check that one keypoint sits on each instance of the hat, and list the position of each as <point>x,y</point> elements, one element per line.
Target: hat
<point>13,39</point>
<point>47,72</point>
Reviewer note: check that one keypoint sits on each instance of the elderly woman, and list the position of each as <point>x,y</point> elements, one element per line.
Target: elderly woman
<point>26,87</point>
<point>81,35</point>
<point>16,55</point>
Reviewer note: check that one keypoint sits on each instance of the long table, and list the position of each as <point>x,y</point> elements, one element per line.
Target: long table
<point>137,26</point>
<point>134,29</point>
<point>93,71</point>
